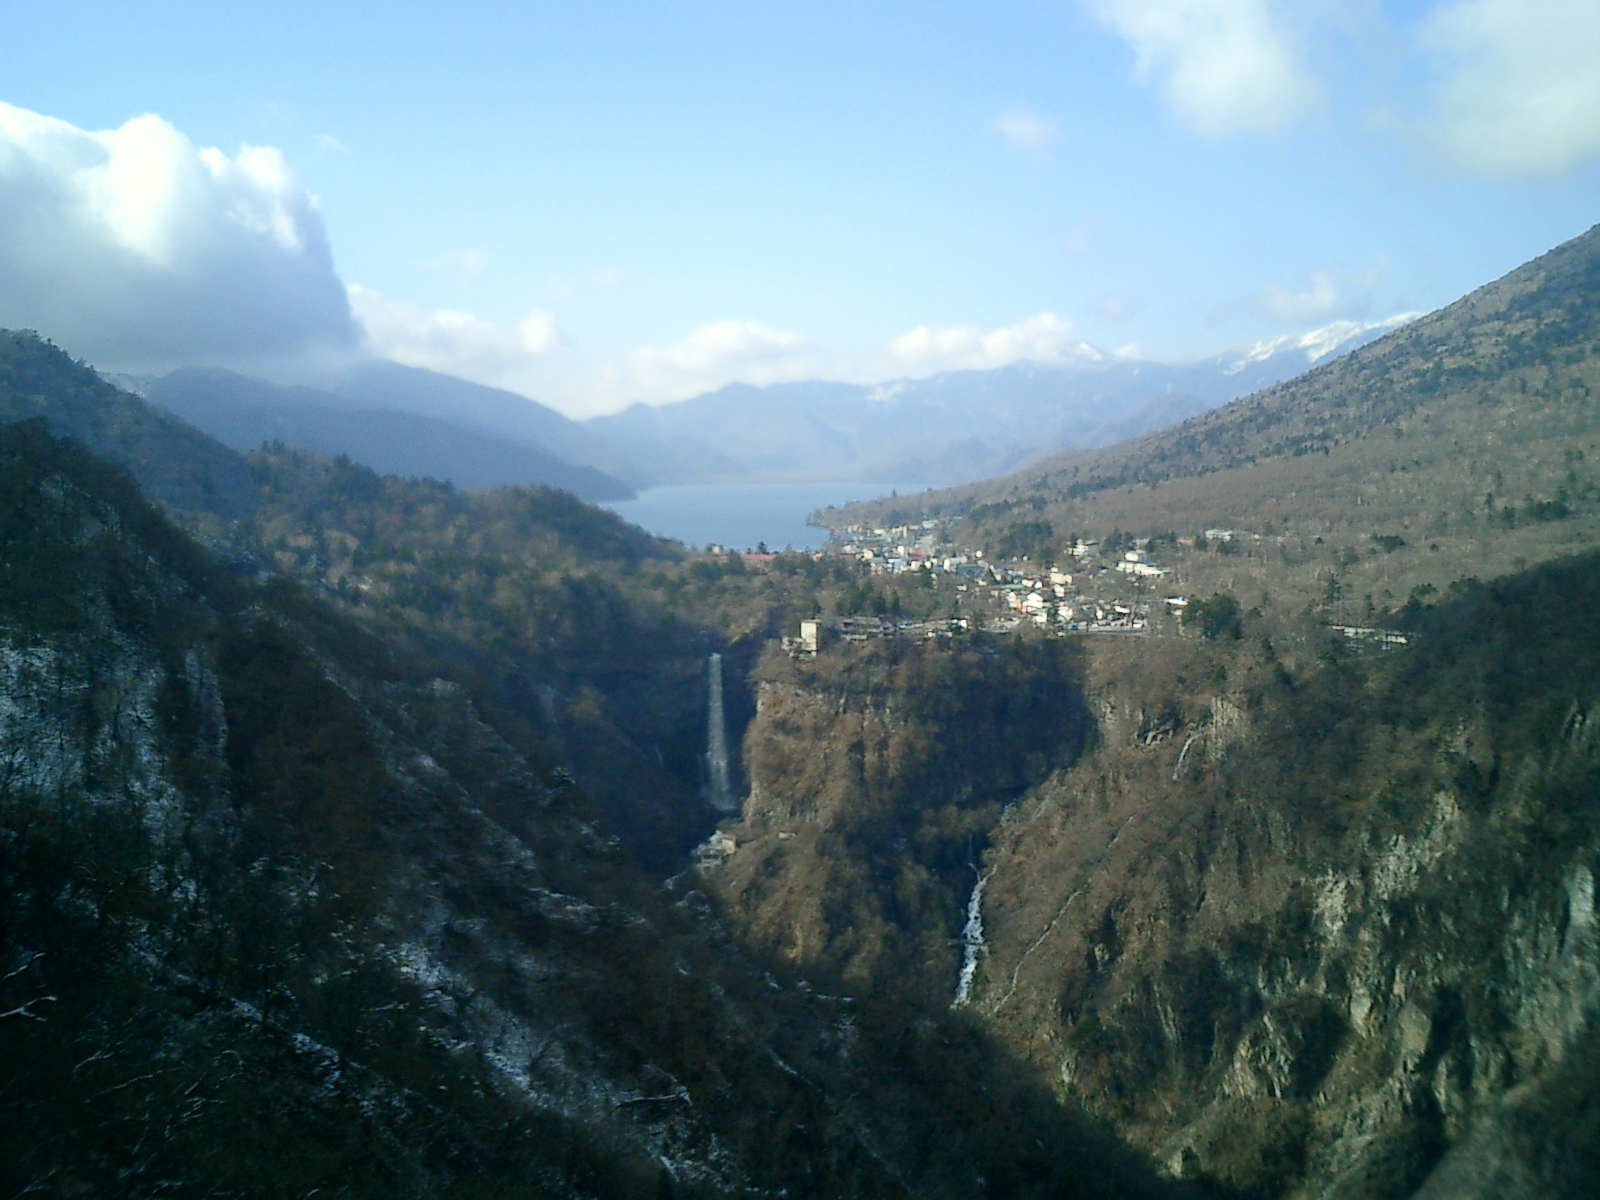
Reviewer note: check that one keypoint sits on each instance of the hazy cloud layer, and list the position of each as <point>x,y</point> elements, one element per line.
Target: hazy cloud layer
<point>1521,93</point>
<point>1029,131</point>
<point>1042,338</point>
<point>456,343</point>
<point>1319,300</point>
<point>1223,66</point>
<point>1331,294</point>
<point>711,356</point>
<point>134,248</point>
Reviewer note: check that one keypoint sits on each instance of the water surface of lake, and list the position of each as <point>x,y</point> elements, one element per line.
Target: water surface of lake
<point>741,516</point>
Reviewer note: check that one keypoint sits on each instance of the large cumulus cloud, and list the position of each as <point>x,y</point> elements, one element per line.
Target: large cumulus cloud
<point>1224,66</point>
<point>1521,92</point>
<point>134,248</point>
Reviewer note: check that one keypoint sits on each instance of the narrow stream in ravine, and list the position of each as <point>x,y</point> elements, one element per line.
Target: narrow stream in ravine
<point>971,942</point>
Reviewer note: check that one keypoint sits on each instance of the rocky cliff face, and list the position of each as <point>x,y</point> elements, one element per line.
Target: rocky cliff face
<point>874,775</point>
<point>1330,937</point>
<point>242,850</point>
<point>1321,929</point>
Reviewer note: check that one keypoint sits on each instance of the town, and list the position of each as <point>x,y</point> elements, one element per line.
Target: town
<point>1116,588</point>
<point>1096,592</point>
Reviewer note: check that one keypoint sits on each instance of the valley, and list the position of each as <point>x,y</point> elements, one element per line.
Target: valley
<point>369,826</point>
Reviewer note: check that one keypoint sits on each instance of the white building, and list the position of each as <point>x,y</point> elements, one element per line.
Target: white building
<point>1135,563</point>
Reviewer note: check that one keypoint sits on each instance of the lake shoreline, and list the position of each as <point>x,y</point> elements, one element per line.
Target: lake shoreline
<point>743,516</point>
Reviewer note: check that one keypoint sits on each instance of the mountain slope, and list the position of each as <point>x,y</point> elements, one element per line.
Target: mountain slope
<point>1511,366</point>
<point>174,462</point>
<point>244,413</point>
<point>1462,445</point>
<point>287,912</point>
<point>486,410</point>
<point>1327,932</point>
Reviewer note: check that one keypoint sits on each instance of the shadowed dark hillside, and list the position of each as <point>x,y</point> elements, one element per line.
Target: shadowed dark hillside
<point>286,913</point>
<point>174,463</point>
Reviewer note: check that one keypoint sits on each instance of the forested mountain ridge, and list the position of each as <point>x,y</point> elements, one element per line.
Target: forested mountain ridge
<point>1327,931</point>
<point>287,910</point>
<point>244,413</point>
<point>174,463</point>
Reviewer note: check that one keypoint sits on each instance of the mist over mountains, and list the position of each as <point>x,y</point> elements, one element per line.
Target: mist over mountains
<point>399,420</point>
<point>944,429</point>
<point>947,428</point>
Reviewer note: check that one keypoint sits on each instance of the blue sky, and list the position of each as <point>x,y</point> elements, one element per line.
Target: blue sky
<point>602,203</point>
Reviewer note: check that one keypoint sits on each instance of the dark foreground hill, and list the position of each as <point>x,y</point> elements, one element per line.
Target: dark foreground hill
<point>175,463</point>
<point>288,913</point>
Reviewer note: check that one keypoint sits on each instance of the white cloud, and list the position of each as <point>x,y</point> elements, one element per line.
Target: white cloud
<point>1042,338</point>
<point>135,249</point>
<point>1521,92</point>
<point>1296,308</point>
<point>1114,306</point>
<point>1028,130</point>
<point>1319,343</point>
<point>1224,66</point>
<point>710,357</point>
<point>460,262</point>
<point>456,343</point>
<point>563,287</point>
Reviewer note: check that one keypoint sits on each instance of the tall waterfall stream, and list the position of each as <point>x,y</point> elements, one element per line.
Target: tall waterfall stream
<point>721,794</point>
<point>972,942</point>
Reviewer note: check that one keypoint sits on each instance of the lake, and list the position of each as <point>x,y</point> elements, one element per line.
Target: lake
<point>743,515</point>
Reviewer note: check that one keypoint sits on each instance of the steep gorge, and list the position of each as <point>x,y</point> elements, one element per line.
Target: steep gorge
<point>874,777</point>
<point>1312,929</point>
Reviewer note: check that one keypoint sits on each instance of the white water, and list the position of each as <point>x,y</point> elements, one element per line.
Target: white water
<point>717,743</point>
<point>972,942</point>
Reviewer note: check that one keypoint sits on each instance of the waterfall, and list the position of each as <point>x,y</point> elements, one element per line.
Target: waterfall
<point>721,795</point>
<point>972,942</point>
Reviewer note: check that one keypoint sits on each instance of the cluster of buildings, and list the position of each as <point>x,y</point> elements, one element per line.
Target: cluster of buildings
<point>906,548</point>
<point>816,633</point>
<point>1017,594</point>
<point>1052,606</point>
<point>1086,595</point>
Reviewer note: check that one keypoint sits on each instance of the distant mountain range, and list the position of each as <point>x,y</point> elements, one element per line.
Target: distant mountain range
<point>398,420</point>
<point>946,429</point>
